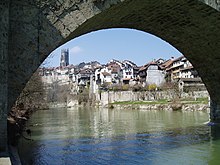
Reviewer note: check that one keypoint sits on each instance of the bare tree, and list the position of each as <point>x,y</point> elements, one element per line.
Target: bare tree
<point>31,98</point>
<point>33,95</point>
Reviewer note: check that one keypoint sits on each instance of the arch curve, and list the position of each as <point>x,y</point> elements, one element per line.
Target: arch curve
<point>37,28</point>
<point>31,29</point>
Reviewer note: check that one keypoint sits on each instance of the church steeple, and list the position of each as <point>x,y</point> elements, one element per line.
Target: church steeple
<point>64,59</point>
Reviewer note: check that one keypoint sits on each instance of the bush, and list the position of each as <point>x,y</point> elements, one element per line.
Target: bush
<point>125,87</point>
<point>111,106</point>
<point>83,97</point>
<point>176,107</point>
<point>137,88</point>
<point>152,87</point>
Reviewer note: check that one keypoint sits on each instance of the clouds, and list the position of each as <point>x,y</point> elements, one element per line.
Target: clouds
<point>76,50</point>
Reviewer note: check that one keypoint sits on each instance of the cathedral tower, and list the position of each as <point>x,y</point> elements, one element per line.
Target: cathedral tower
<point>64,59</point>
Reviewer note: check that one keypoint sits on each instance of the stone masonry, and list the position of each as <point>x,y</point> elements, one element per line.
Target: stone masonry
<point>31,29</point>
<point>4,21</point>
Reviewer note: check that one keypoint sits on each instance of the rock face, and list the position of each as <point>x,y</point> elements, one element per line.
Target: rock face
<point>31,29</point>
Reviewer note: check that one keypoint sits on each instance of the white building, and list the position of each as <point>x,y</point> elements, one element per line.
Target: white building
<point>152,73</point>
<point>103,75</point>
<point>181,68</point>
<point>155,75</point>
<point>128,71</point>
<point>60,75</point>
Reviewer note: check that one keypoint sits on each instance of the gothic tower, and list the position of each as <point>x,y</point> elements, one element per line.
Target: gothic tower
<point>64,59</point>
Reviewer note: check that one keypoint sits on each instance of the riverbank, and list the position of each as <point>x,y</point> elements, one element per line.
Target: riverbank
<point>184,104</point>
<point>200,104</point>
<point>16,120</point>
<point>18,116</point>
<point>166,107</point>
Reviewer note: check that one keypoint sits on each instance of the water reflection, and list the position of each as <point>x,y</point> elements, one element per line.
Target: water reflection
<point>214,145</point>
<point>102,136</point>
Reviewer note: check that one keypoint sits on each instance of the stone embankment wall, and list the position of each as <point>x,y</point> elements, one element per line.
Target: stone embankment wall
<point>168,107</point>
<point>105,98</point>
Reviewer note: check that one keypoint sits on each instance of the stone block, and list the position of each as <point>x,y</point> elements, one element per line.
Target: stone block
<point>5,161</point>
<point>23,13</point>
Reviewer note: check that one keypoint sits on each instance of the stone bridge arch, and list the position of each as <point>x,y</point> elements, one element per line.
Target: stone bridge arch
<point>31,29</point>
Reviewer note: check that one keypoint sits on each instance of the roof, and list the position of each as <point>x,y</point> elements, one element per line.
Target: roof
<point>115,70</point>
<point>191,79</point>
<point>86,71</point>
<point>127,61</point>
<point>158,61</point>
<point>166,64</point>
<point>147,65</point>
<point>106,74</point>
<point>187,68</point>
<point>179,58</point>
<point>143,68</point>
<point>115,61</point>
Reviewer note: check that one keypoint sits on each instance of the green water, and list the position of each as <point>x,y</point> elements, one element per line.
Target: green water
<point>102,136</point>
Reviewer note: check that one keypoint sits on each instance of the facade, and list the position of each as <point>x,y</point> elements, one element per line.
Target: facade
<point>115,68</point>
<point>188,70</point>
<point>83,77</point>
<point>191,84</point>
<point>155,75</point>
<point>181,68</point>
<point>175,68</point>
<point>60,75</point>
<point>103,75</point>
<point>128,71</point>
<point>152,73</point>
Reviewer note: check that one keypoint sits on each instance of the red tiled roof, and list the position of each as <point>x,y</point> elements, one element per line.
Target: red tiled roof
<point>106,74</point>
<point>115,70</point>
<point>147,65</point>
<point>166,64</point>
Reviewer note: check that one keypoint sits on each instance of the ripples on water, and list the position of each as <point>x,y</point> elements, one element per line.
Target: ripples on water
<point>119,142</point>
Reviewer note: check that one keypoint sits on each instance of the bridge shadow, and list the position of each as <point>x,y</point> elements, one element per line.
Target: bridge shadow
<point>215,132</point>
<point>215,145</point>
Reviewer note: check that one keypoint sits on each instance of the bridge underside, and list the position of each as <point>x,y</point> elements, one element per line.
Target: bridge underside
<point>31,29</point>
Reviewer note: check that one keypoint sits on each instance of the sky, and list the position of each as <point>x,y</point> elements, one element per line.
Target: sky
<point>120,44</point>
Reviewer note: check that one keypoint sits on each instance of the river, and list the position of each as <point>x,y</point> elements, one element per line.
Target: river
<point>110,136</point>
